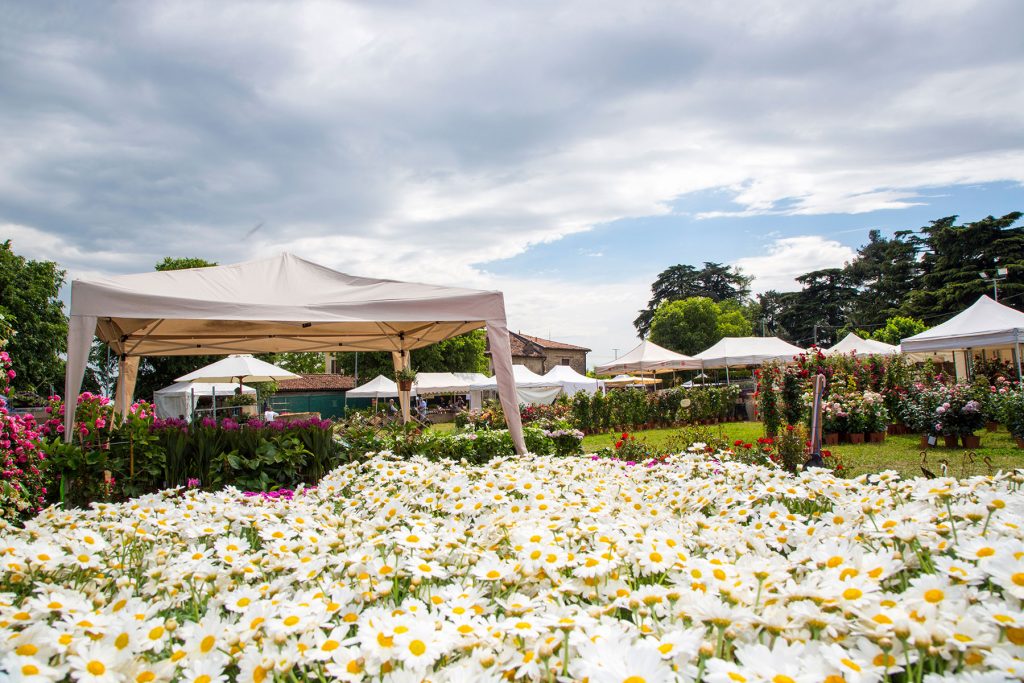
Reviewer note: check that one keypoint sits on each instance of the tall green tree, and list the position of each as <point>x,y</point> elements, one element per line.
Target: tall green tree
<point>30,304</point>
<point>693,324</point>
<point>953,255</point>
<point>898,328</point>
<point>819,311</point>
<point>884,273</point>
<point>772,308</point>
<point>715,281</point>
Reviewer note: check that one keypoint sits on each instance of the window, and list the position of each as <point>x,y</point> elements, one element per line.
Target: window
<point>565,361</point>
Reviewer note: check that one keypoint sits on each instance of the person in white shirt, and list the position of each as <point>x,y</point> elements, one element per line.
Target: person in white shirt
<point>269,415</point>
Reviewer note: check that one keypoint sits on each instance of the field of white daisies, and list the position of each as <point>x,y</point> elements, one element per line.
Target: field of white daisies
<point>534,569</point>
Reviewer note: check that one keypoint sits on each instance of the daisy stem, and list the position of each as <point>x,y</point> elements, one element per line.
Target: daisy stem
<point>988,519</point>
<point>952,524</point>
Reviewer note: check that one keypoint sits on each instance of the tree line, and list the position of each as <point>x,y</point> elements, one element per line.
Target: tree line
<point>894,287</point>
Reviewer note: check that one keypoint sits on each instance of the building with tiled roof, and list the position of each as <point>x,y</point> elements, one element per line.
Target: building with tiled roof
<point>540,355</point>
<point>317,382</point>
<point>322,393</point>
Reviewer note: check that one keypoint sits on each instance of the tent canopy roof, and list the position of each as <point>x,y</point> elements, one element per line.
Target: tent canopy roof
<point>282,303</point>
<point>984,323</point>
<point>648,356</point>
<point>524,377</point>
<point>851,343</point>
<point>378,387</point>
<point>743,351</point>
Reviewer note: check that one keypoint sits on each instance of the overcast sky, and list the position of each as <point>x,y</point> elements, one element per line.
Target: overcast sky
<point>563,152</point>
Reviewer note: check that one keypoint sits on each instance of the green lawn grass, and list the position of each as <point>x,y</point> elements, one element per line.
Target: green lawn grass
<point>900,453</point>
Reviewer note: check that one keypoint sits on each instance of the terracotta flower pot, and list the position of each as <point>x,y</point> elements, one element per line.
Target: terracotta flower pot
<point>857,438</point>
<point>894,429</point>
<point>876,437</point>
<point>991,426</point>
<point>971,441</point>
<point>1020,443</point>
<point>831,438</point>
<point>950,440</point>
<point>924,441</point>
<point>405,385</point>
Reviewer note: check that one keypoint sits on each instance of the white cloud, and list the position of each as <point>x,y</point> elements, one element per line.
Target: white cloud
<point>428,138</point>
<point>790,257</point>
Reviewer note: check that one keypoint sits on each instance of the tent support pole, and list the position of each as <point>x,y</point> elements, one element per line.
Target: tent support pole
<point>1016,356</point>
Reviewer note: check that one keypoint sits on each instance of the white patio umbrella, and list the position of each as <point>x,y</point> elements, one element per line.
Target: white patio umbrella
<point>241,367</point>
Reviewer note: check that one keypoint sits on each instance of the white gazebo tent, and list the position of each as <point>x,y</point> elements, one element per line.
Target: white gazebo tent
<point>985,324</point>
<point>277,304</point>
<point>851,343</point>
<point>530,387</point>
<point>740,352</point>
<point>181,397</point>
<point>572,381</point>
<point>378,387</point>
<point>648,357</point>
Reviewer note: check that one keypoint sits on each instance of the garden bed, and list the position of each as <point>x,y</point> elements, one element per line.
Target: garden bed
<point>535,568</point>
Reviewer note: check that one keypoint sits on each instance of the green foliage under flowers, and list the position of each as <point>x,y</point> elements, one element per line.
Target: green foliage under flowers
<point>109,459</point>
<point>1012,412</point>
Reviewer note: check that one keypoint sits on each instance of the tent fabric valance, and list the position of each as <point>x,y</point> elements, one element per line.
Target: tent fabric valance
<point>277,304</point>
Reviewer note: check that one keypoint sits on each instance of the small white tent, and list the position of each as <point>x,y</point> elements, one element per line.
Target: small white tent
<point>181,397</point>
<point>648,357</point>
<point>530,387</point>
<point>378,387</point>
<point>851,343</point>
<point>985,324</point>
<point>738,352</point>
<point>572,381</point>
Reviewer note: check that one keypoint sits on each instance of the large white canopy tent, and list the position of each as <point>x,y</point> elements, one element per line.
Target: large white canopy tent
<point>648,357</point>
<point>985,324</point>
<point>530,387</point>
<point>572,381</point>
<point>277,304</point>
<point>181,397</point>
<point>851,343</point>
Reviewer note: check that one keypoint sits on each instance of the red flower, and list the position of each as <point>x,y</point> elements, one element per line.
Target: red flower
<point>624,435</point>
<point>826,454</point>
<point>618,444</point>
<point>738,442</point>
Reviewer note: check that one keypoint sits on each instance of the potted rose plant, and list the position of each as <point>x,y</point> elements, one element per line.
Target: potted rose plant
<point>877,416</point>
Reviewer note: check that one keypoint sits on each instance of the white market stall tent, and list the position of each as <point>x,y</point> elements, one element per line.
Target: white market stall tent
<point>277,304</point>
<point>572,381</point>
<point>648,357</point>
<point>851,343</point>
<point>738,352</point>
<point>181,397</point>
<point>531,388</point>
<point>630,381</point>
<point>985,324</point>
<point>378,387</point>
